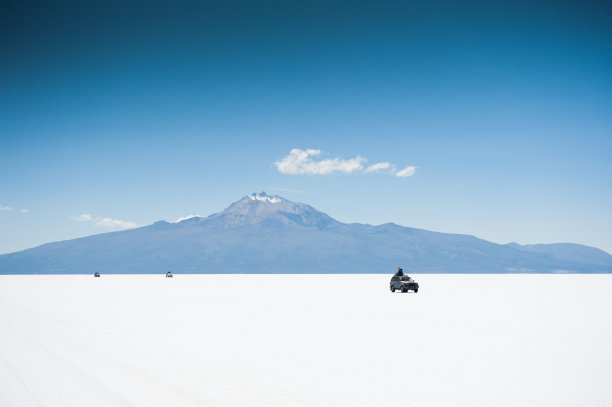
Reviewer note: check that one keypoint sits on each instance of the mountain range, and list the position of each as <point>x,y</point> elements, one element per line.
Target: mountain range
<point>263,233</point>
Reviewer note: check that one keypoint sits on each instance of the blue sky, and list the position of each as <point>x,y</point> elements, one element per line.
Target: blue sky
<point>135,114</point>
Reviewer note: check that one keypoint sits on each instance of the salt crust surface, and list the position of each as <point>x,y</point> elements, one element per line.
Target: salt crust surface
<point>305,340</point>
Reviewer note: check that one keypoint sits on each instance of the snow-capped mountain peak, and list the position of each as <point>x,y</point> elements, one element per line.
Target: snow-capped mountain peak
<point>262,196</point>
<point>261,207</point>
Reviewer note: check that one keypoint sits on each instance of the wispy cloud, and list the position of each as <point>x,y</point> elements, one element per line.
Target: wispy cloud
<point>116,223</point>
<point>83,218</point>
<point>105,222</point>
<point>185,218</point>
<point>406,172</point>
<point>380,167</point>
<point>9,208</point>
<point>305,162</point>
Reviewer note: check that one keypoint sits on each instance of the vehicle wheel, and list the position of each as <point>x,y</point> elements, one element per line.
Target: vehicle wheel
<point>404,290</point>
<point>416,291</point>
<point>392,289</point>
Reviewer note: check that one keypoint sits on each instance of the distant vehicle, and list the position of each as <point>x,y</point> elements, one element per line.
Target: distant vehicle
<point>96,274</point>
<point>403,283</point>
<point>169,275</point>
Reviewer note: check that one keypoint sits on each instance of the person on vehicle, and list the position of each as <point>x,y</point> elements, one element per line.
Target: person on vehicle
<point>400,272</point>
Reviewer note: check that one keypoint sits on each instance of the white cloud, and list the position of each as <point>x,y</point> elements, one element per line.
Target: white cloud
<point>83,218</point>
<point>8,208</point>
<point>406,172</point>
<point>301,162</point>
<point>185,218</point>
<point>105,222</point>
<point>116,223</point>
<point>378,167</point>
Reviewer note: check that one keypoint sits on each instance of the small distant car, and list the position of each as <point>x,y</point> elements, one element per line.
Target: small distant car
<point>96,274</point>
<point>169,275</point>
<point>403,283</point>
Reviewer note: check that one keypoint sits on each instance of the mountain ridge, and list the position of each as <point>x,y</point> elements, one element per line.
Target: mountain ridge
<point>263,233</point>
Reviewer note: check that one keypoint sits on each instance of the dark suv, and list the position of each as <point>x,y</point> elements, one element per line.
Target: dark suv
<point>403,283</point>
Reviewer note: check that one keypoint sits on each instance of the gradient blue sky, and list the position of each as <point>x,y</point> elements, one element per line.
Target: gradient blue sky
<point>141,111</point>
